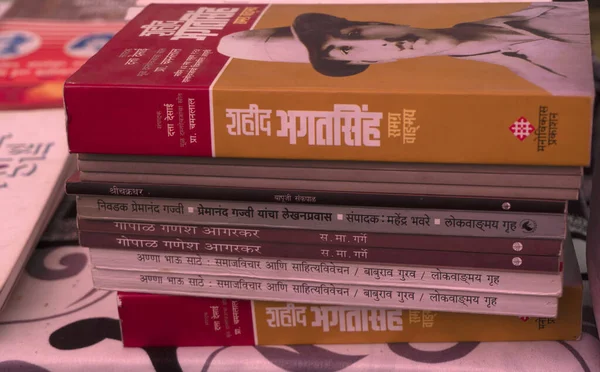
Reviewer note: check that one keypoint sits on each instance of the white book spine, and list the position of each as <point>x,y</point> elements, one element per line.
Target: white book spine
<point>332,271</point>
<point>220,286</point>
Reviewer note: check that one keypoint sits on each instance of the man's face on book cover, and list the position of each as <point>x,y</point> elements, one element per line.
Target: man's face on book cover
<point>379,43</point>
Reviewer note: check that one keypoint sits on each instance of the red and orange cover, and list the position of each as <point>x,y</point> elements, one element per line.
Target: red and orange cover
<point>494,83</point>
<point>149,320</point>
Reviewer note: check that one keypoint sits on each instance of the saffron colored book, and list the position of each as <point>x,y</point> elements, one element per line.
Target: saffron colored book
<point>148,320</point>
<point>491,83</point>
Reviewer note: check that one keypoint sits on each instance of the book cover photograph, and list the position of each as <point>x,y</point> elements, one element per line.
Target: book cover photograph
<point>491,83</point>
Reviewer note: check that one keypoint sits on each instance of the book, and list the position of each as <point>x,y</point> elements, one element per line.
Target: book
<point>443,174</point>
<point>332,271</point>
<point>140,4</point>
<point>147,320</point>
<point>34,164</point>
<point>252,249</point>
<point>371,82</point>
<point>376,296</point>
<point>43,44</point>
<point>323,239</point>
<point>75,186</point>
<point>355,186</point>
<point>327,217</point>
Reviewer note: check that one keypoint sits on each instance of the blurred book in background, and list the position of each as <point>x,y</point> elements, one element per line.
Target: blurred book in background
<point>43,42</point>
<point>34,161</point>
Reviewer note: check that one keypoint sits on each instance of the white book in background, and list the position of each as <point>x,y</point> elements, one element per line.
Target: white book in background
<point>444,278</point>
<point>34,164</point>
<point>244,288</point>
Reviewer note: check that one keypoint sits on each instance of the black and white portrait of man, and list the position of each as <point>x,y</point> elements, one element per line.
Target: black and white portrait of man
<point>547,44</point>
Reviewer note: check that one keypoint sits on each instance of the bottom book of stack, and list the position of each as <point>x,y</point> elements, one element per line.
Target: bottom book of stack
<point>149,320</point>
<point>153,316</point>
<point>332,283</point>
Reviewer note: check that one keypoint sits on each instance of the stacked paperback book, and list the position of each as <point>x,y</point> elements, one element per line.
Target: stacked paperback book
<point>356,173</point>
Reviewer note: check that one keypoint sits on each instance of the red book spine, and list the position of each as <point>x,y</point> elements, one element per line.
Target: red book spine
<point>195,321</point>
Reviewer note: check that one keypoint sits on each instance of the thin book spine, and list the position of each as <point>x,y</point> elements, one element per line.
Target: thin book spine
<point>414,257</point>
<point>342,218</point>
<point>331,271</point>
<point>321,197</point>
<point>355,239</point>
<point>314,293</point>
<point>343,186</point>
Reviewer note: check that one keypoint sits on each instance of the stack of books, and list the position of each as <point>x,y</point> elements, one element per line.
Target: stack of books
<point>336,169</point>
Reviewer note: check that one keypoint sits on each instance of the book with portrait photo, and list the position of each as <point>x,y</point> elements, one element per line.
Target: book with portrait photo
<point>487,83</point>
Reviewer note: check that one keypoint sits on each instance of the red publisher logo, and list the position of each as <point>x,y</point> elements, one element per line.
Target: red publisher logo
<point>521,128</point>
<point>524,318</point>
